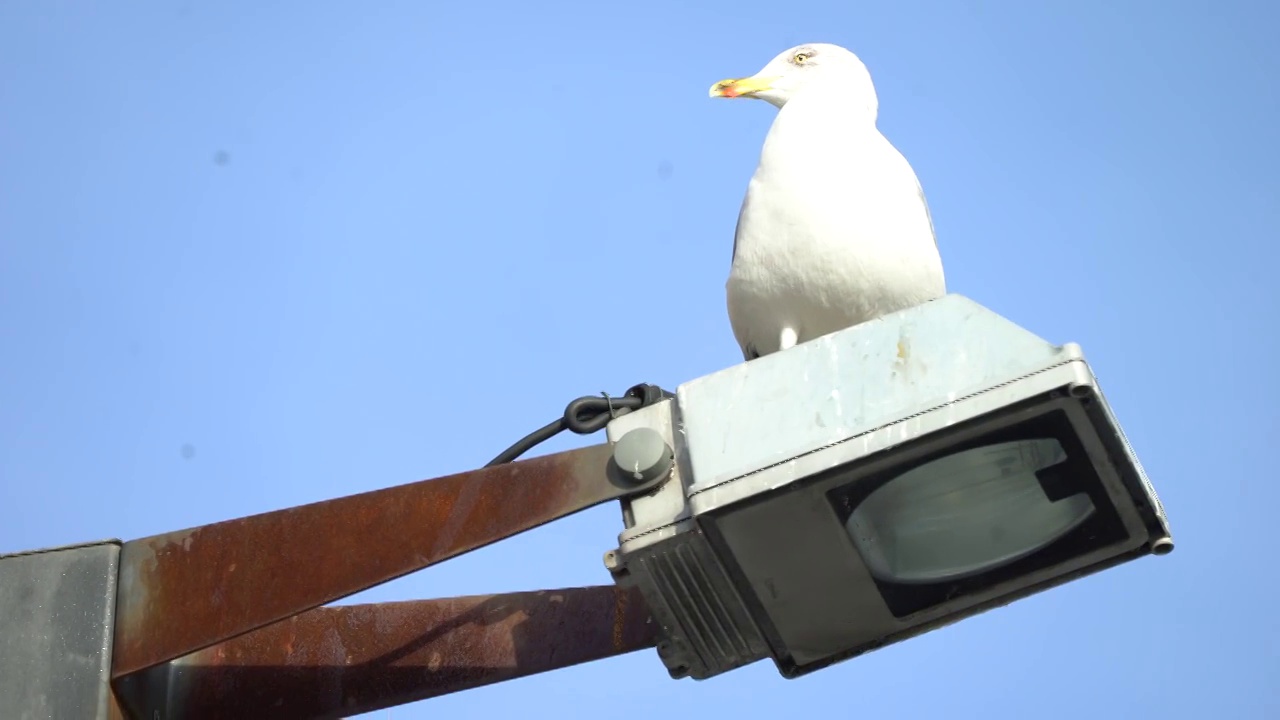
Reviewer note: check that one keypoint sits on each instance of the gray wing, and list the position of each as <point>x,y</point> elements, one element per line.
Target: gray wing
<point>927,215</point>
<point>737,228</point>
<point>748,351</point>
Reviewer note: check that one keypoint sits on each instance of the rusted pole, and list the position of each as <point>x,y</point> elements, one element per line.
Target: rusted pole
<point>335,662</point>
<point>183,591</point>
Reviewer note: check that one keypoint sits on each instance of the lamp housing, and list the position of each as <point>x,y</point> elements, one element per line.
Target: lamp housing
<point>874,484</point>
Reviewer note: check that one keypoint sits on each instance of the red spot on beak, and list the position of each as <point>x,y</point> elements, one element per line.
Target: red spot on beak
<point>730,92</point>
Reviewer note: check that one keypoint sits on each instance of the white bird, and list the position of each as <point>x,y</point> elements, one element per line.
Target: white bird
<point>834,230</point>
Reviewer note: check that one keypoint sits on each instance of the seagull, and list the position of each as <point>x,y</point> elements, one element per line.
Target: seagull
<point>834,230</point>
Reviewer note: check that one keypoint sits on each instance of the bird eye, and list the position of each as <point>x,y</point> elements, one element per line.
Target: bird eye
<point>800,58</point>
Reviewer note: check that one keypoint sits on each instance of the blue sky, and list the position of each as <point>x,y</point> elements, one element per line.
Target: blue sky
<point>254,255</point>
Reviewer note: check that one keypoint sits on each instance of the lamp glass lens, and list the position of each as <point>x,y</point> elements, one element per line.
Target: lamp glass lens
<point>964,514</point>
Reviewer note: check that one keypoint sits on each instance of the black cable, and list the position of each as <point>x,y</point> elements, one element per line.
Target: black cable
<point>584,416</point>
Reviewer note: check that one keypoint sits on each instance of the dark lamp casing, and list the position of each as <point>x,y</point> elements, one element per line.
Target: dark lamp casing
<point>745,553</point>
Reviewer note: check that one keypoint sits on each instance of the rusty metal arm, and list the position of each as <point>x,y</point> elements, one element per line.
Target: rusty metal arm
<point>336,662</point>
<point>182,592</point>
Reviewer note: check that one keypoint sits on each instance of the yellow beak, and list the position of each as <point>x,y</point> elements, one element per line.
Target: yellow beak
<point>741,87</point>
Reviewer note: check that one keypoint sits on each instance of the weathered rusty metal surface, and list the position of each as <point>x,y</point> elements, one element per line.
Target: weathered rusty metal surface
<point>183,591</point>
<point>340,661</point>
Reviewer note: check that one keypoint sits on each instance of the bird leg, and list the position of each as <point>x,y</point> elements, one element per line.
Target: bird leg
<point>787,338</point>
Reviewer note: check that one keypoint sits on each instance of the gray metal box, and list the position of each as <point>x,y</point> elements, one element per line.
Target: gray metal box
<point>55,655</point>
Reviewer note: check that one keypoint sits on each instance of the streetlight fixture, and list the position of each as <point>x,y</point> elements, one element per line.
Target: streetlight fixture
<point>809,506</point>
<point>872,485</point>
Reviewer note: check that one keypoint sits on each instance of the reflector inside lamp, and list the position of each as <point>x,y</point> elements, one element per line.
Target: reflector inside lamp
<point>965,514</point>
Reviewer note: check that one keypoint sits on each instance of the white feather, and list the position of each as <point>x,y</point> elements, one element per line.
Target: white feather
<point>834,229</point>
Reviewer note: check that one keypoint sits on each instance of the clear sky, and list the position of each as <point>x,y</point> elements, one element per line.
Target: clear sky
<point>257,254</point>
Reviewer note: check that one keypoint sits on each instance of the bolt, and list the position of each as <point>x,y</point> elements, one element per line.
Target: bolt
<point>642,455</point>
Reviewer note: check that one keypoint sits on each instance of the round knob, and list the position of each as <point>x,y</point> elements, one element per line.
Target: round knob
<point>642,455</point>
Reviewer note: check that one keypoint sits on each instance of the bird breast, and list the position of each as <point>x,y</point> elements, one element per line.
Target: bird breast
<point>833,232</point>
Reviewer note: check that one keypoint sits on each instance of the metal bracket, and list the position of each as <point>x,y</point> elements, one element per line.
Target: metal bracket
<point>224,620</point>
<point>334,662</point>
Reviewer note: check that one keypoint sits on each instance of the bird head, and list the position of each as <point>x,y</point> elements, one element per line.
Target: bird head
<point>800,68</point>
